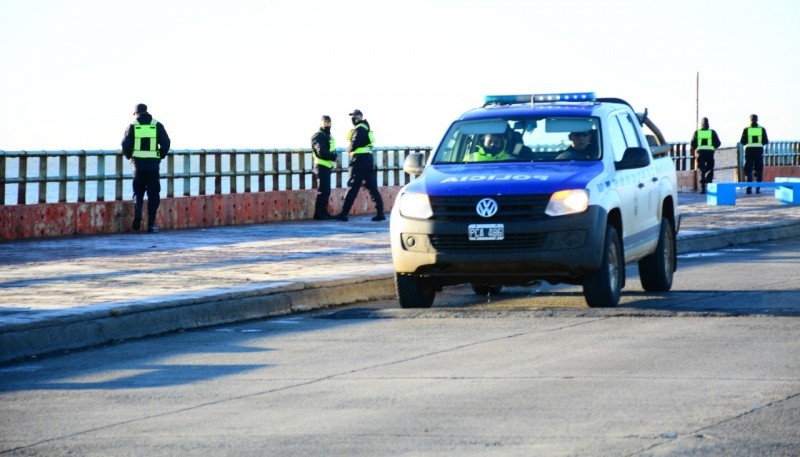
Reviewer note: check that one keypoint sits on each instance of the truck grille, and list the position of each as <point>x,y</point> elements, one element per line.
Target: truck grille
<point>462,243</point>
<point>510,207</point>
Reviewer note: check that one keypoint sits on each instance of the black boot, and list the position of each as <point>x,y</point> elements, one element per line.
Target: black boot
<point>137,216</point>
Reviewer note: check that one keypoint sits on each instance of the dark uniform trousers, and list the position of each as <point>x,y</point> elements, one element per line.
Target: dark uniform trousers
<point>362,170</point>
<point>753,164</point>
<point>146,180</point>
<point>323,190</point>
<point>705,162</point>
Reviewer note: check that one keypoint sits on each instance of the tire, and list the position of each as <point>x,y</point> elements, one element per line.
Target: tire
<point>413,291</point>
<point>656,270</point>
<point>484,290</point>
<point>603,287</point>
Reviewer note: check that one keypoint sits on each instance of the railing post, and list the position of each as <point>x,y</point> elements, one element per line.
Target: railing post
<point>82,176</point>
<point>262,170</point>
<point>101,177</point>
<point>119,178</point>
<point>43,175</point>
<point>247,158</point>
<point>2,180</point>
<point>232,169</point>
<point>23,174</point>
<point>218,173</point>
<point>170,176</point>
<point>275,168</point>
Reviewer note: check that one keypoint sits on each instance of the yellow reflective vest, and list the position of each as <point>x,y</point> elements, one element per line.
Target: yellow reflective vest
<point>704,142</point>
<point>362,149</point>
<point>145,132</point>
<point>755,137</point>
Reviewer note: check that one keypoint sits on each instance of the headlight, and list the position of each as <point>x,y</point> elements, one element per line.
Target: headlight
<point>415,206</point>
<point>568,202</point>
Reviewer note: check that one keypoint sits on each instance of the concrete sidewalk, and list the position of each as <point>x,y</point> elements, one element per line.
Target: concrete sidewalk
<point>69,293</point>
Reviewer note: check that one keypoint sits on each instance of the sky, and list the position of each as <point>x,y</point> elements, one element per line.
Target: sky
<point>247,74</point>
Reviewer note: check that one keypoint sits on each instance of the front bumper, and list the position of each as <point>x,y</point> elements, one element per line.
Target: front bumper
<point>554,248</point>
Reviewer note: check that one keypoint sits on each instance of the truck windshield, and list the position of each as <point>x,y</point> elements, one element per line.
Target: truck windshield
<point>557,139</point>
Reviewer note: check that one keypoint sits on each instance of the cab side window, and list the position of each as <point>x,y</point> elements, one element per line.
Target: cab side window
<point>617,138</point>
<point>629,130</point>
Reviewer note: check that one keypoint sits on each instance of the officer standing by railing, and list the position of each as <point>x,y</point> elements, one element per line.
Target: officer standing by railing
<point>324,147</point>
<point>145,143</point>
<point>704,142</point>
<point>753,140</point>
<point>362,167</point>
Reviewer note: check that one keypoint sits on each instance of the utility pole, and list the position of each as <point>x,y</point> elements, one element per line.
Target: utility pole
<point>697,101</point>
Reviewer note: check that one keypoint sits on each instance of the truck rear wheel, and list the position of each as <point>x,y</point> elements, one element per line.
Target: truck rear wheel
<point>656,270</point>
<point>413,291</point>
<point>602,287</point>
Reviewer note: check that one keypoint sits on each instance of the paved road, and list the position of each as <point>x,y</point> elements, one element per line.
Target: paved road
<point>69,293</point>
<point>673,374</point>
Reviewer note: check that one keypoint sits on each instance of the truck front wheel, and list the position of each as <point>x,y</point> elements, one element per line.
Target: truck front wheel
<point>656,270</point>
<point>602,287</point>
<point>413,291</point>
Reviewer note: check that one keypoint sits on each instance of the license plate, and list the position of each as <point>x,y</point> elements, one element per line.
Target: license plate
<point>483,232</point>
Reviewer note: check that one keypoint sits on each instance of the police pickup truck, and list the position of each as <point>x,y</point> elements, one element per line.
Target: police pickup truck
<point>565,188</point>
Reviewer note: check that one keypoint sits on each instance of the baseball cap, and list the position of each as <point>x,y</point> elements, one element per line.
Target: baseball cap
<point>356,112</point>
<point>325,117</point>
<point>140,108</point>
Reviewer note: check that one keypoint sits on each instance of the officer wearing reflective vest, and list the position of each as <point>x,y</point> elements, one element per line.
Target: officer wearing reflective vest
<point>753,140</point>
<point>324,147</point>
<point>492,149</point>
<point>362,167</point>
<point>704,142</point>
<point>145,143</point>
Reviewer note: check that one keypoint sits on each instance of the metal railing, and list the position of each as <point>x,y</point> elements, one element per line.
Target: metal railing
<point>28,177</point>
<point>101,175</point>
<point>730,160</point>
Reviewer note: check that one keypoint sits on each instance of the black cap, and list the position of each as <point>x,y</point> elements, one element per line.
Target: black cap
<point>140,108</point>
<point>325,117</point>
<point>356,112</point>
<point>753,118</point>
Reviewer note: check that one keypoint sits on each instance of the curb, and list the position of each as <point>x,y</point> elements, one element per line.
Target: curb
<point>704,241</point>
<point>72,332</point>
<point>136,320</point>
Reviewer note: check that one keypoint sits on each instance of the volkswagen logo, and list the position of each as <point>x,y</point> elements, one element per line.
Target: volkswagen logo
<point>486,207</point>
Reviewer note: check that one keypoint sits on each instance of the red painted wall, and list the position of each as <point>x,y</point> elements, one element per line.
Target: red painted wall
<point>66,219</point>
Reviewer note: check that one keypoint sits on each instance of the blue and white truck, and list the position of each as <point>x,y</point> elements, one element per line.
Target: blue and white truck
<point>563,188</point>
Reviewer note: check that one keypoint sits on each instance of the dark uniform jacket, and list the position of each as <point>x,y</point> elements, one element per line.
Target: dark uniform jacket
<point>321,144</point>
<point>360,137</point>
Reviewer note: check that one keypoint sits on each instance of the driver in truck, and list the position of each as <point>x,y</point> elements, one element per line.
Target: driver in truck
<point>581,148</point>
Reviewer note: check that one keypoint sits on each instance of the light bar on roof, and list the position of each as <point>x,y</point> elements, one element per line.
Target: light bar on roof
<point>540,98</point>
<point>564,97</point>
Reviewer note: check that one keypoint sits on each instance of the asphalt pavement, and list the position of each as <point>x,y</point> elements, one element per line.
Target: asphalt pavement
<point>63,294</point>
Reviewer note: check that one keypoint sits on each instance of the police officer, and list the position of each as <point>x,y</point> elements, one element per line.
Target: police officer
<point>493,148</point>
<point>753,140</point>
<point>323,145</point>
<point>145,143</point>
<point>704,142</point>
<point>362,167</point>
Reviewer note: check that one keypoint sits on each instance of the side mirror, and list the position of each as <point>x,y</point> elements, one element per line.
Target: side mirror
<point>633,158</point>
<point>414,163</point>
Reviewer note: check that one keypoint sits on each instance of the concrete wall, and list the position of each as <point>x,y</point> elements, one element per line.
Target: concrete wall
<point>66,219</point>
